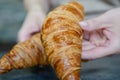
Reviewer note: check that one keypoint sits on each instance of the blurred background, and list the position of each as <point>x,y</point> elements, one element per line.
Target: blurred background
<point>12,15</point>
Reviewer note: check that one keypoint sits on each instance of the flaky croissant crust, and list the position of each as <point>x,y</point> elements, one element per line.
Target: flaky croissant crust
<point>58,44</point>
<point>61,37</point>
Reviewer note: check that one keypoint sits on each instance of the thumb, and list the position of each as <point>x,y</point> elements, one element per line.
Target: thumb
<point>93,24</point>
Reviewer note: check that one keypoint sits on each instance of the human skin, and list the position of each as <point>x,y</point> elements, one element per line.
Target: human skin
<point>101,35</point>
<point>36,13</point>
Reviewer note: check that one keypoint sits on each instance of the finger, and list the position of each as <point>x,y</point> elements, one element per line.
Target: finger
<point>34,30</point>
<point>111,46</point>
<point>23,36</point>
<point>85,42</point>
<point>86,35</point>
<point>97,52</point>
<point>94,24</point>
<point>27,31</point>
<point>97,38</point>
<point>86,45</point>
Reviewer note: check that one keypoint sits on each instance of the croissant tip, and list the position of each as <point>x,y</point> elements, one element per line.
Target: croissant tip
<point>5,66</point>
<point>2,71</point>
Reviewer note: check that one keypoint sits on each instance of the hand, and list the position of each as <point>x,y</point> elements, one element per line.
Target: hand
<point>31,25</point>
<point>101,35</point>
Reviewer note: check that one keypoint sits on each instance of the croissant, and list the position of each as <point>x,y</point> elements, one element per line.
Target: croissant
<point>61,37</point>
<point>26,54</point>
<point>58,44</point>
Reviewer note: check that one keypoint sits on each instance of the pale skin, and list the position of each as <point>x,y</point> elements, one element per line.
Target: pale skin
<point>36,13</point>
<point>101,34</point>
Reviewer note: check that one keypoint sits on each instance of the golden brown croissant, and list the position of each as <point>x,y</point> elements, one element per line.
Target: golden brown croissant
<point>23,55</point>
<point>62,38</point>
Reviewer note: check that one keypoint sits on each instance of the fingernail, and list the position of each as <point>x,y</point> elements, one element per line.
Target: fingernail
<point>83,24</point>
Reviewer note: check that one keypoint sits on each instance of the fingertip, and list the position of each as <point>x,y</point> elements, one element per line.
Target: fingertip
<point>92,24</point>
<point>22,38</point>
<point>83,24</point>
<point>86,25</point>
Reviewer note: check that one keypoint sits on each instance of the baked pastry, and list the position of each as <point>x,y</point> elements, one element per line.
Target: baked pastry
<point>61,37</point>
<point>58,44</point>
<point>22,55</point>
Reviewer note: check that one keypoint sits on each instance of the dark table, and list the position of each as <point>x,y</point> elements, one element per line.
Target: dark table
<point>102,69</point>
